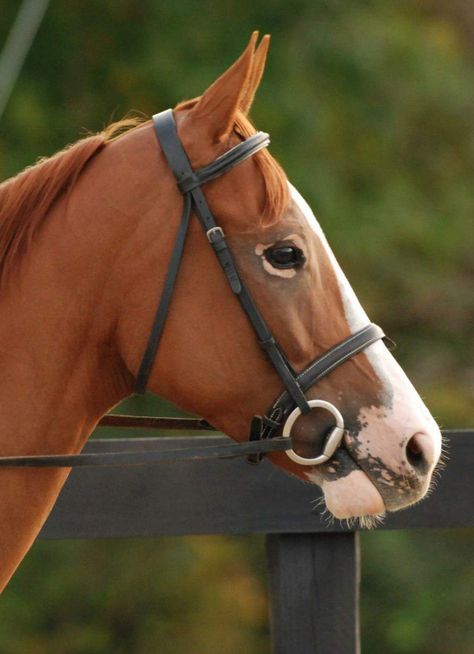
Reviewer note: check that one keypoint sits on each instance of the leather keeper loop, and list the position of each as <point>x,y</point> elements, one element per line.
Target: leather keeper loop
<point>188,183</point>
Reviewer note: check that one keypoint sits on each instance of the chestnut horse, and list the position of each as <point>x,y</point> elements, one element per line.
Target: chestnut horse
<point>85,241</point>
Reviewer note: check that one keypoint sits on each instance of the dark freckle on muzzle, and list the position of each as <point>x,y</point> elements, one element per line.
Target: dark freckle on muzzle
<point>310,431</point>
<point>390,484</point>
<point>340,465</point>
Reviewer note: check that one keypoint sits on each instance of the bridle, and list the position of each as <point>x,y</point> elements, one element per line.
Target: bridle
<point>292,402</point>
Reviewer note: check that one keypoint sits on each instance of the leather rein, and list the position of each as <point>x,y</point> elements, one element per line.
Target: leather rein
<point>268,433</point>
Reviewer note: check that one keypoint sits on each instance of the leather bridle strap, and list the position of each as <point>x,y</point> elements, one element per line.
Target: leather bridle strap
<point>189,183</point>
<point>141,458</point>
<point>264,427</point>
<point>332,359</point>
<point>166,295</point>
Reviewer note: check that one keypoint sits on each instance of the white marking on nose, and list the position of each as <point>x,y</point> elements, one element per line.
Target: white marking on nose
<point>406,413</point>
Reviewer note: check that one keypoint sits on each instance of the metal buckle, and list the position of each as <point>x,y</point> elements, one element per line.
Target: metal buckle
<point>332,441</point>
<point>214,230</point>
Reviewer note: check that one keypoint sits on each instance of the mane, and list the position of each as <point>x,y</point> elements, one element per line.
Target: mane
<point>274,178</point>
<point>26,199</point>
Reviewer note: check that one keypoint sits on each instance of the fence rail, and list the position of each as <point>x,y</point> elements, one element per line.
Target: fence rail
<point>313,566</point>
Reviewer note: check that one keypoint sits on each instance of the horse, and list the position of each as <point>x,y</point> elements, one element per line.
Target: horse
<point>86,237</point>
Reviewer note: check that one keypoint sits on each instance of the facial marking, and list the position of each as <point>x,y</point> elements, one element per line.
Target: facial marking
<point>378,437</point>
<point>393,378</point>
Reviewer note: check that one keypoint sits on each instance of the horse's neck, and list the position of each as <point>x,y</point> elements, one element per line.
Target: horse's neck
<point>42,410</point>
<point>57,378</point>
<point>62,307</point>
<point>60,369</point>
<point>48,399</point>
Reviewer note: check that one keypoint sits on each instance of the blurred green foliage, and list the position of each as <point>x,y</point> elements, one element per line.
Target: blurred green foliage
<point>370,107</point>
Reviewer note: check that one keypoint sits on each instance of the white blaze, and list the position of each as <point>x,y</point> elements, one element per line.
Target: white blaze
<point>407,414</point>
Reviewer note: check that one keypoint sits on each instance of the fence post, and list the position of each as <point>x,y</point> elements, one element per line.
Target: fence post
<point>314,593</point>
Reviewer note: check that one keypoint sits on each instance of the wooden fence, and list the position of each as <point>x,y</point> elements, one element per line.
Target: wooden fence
<point>313,568</point>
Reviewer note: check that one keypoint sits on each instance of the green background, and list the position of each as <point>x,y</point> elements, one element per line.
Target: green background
<point>370,108</point>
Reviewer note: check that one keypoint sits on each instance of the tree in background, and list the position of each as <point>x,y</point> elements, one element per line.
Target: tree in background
<point>370,108</point>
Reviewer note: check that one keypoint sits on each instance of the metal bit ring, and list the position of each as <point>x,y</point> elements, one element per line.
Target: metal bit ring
<point>332,441</point>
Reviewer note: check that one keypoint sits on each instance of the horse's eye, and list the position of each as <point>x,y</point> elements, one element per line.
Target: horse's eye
<point>285,256</point>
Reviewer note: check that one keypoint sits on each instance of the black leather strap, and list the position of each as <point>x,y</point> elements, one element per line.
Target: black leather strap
<point>318,369</point>
<point>332,359</point>
<point>225,162</point>
<point>145,458</point>
<point>186,178</point>
<point>265,427</point>
<point>154,422</point>
<point>165,300</point>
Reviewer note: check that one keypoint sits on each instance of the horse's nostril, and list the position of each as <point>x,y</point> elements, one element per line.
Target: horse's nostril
<point>415,454</point>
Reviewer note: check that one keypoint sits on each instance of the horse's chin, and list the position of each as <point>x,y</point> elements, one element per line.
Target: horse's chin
<point>348,491</point>
<point>352,496</point>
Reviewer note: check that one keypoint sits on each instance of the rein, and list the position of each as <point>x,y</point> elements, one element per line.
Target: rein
<point>140,458</point>
<point>265,430</point>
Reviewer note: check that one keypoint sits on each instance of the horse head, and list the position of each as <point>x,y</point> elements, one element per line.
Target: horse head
<point>210,362</point>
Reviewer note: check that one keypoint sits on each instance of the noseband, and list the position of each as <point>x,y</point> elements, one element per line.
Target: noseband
<point>292,402</point>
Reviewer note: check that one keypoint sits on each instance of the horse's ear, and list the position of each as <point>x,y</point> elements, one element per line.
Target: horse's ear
<point>214,113</point>
<point>256,74</point>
